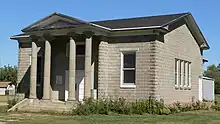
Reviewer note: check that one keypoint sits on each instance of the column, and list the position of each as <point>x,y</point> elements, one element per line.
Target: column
<point>72,70</point>
<point>88,59</point>
<point>47,67</point>
<point>33,77</point>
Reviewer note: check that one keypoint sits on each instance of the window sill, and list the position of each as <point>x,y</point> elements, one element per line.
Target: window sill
<point>127,86</point>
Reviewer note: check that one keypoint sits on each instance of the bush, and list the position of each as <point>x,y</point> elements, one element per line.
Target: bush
<point>91,106</point>
<point>121,106</point>
<point>216,106</point>
<point>12,101</point>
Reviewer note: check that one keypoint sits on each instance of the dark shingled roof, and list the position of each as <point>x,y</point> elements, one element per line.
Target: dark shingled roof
<point>148,21</point>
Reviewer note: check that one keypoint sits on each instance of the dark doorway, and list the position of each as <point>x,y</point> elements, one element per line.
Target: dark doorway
<point>39,77</point>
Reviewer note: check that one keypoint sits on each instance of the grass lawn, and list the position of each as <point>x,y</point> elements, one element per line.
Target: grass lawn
<point>3,98</point>
<point>193,117</point>
<point>196,117</point>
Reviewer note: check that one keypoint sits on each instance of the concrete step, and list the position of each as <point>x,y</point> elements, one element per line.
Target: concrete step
<point>44,105</point>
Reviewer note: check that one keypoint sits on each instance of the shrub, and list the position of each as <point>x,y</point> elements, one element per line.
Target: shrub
<point>216,106</point>
<point>102,107</point>
<point>89,107</point>
<point>12,102</point>
<point>138,107</point>
<point>121,106</point>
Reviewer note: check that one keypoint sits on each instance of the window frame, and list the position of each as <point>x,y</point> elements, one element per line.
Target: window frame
<point>122,84</point>
<point>182,74</point>
<point>177,72</point>
<point>67,48</point>
<point>186,73</point>
<point>189,75</point>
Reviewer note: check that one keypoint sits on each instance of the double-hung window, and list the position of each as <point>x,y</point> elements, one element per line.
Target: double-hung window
<point>128,68</point>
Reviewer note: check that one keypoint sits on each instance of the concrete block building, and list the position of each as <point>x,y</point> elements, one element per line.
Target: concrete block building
<point>68,59</point>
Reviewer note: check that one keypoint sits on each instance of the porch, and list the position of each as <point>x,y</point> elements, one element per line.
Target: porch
<point>64,57</point>
<point>64,67</point>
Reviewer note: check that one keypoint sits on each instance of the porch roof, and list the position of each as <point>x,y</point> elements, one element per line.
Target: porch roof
<point>55,21</point>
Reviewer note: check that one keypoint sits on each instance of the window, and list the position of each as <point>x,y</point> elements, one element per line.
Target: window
<point>182,74</point>
<point>186,74</point>
<point>67,49</point>
<point>80,49</point>
<point>128,65</point>
<point>80,62</point>
<point>189,76</point>
<point>177,72</point>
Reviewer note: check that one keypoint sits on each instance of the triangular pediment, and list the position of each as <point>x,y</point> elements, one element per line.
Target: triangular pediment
<point>55,21</point>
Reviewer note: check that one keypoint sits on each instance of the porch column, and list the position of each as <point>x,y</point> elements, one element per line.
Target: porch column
<point>33,76</point>
<point>88,60</point>
<point>47,65</point>
<point>72,70</point>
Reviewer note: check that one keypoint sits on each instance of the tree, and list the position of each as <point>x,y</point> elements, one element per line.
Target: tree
<point>8,73</point>
<point>213,71</point>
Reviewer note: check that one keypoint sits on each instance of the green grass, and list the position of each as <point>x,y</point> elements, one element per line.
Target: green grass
<point>193,117</point>
<point>196,117</point>
<point>3,98</point>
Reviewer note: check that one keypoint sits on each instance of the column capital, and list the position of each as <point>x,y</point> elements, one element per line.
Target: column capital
<point>88,34</point>
<point>48,37</point>
<point>34,38</point>
<point>72,35</point>
<point>103,38</point>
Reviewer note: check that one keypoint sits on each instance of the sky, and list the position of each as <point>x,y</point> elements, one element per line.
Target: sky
<point>17,14</point>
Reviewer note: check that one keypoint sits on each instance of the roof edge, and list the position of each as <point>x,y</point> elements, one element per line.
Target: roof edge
<point>53,14</point>
<point>205,45</point>
<point>25,29</point>
<point>177,19</point>
<point>17,37</point>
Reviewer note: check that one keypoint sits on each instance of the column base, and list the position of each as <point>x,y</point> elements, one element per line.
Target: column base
<point>32,97</point>
<point>94,94</point>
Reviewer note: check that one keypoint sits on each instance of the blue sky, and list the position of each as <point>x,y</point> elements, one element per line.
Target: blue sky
<point>17,14</point>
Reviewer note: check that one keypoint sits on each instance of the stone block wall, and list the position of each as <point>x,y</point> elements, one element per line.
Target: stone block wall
<point>110,69</point>
<point>23,74</point>
<point>179,44</point>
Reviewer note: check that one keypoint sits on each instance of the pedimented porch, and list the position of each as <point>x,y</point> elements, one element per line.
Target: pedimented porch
<point>61,40</point>
<point>61,59</point>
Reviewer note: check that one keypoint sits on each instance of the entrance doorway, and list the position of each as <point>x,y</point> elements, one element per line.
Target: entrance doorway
<point>39,77</point>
